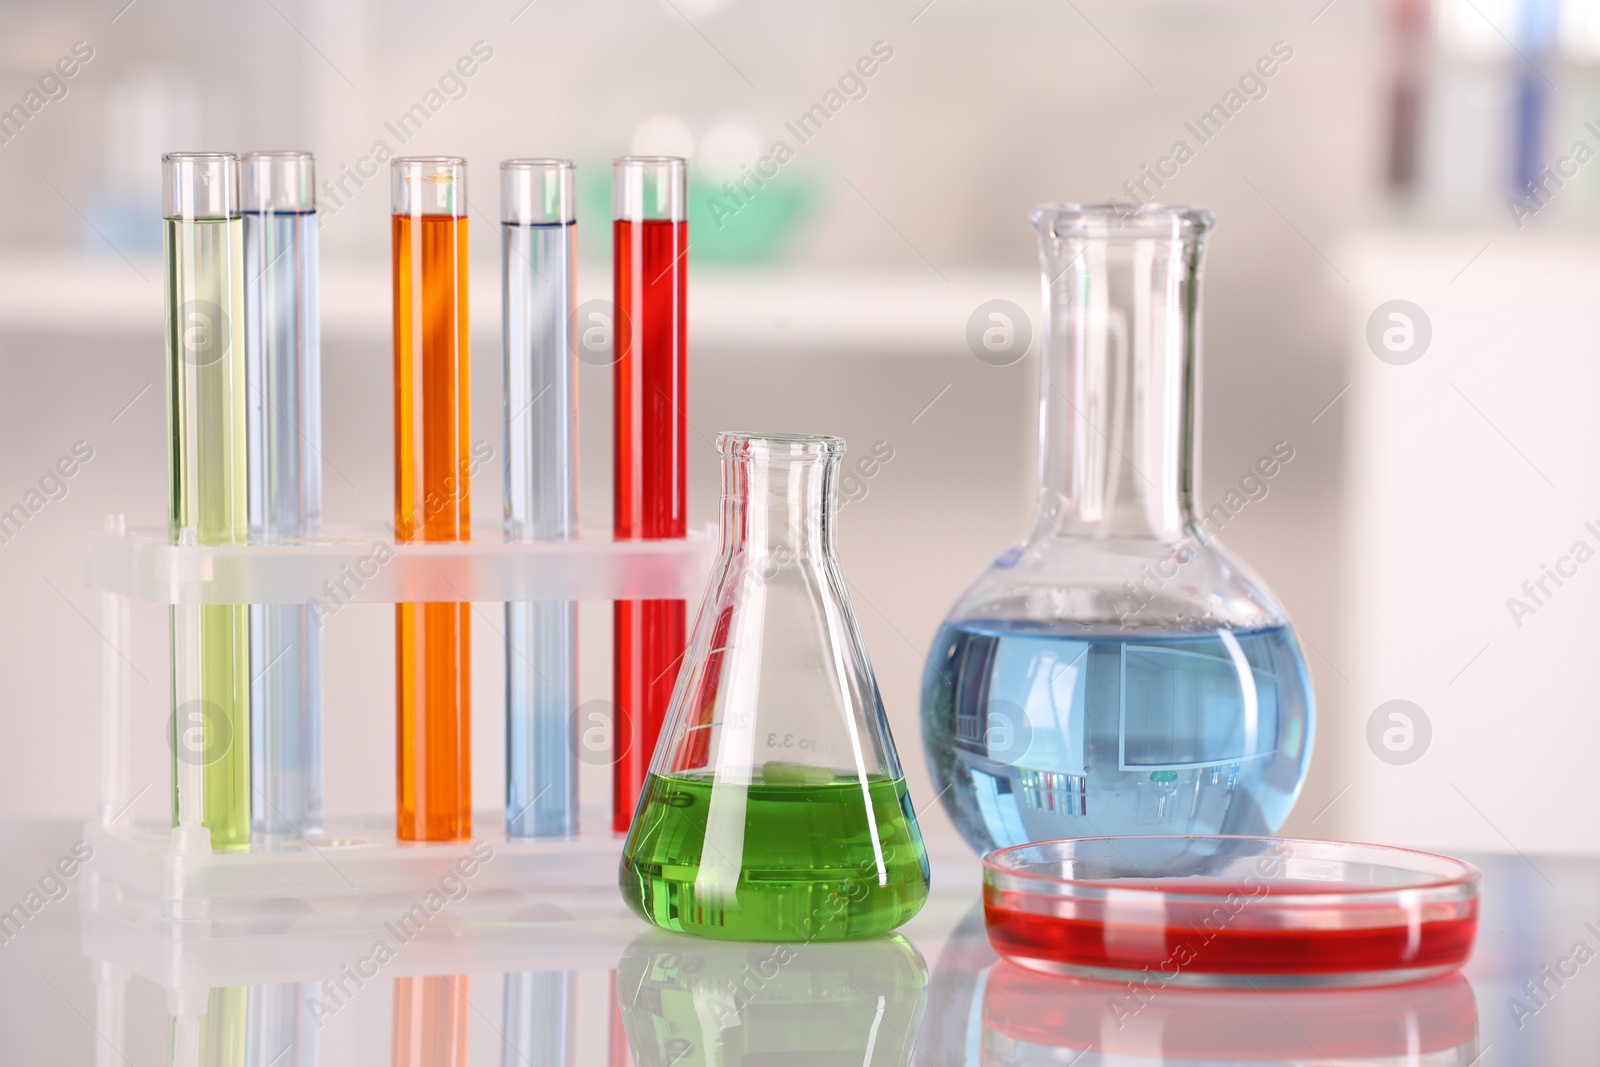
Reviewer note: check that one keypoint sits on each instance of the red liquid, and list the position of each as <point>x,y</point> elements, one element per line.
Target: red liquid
<point>650,272</point>
<point>1208,941</point>
<point>619,1053</point>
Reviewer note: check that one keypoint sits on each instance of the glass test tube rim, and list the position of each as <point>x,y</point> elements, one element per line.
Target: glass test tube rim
<point>401,169</point>
<point>232,206</point>
<point>511,203</point>
<point>1073,218</point>
<point>732,442</point>
<point>198,157</point>
<point>629,175</point>
<point>537,163</point>
<point>277,155</point>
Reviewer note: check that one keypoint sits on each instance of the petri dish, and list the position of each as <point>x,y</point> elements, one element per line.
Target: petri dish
<point>1259,912</point>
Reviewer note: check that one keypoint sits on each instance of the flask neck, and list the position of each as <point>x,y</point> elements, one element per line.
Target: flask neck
<point>777,499</point>
<point>1119,392</point>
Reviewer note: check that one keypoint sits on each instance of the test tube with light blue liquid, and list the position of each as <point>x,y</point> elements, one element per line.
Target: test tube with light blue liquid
<point>283,373</point>
<point>537,1019</point>
<point>280,1026</point>
<point>538,263</point>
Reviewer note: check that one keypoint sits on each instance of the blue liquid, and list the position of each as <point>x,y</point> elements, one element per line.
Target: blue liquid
<point>283,374</point>
<point>1041,734</point>
<point>536,1018</point>
<point>537,275</point>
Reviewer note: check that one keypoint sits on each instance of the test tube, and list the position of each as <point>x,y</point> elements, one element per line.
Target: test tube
<point>536,1018</point>
<point>538,265</point>
<point>279,1028</point>
<point>283,371</point>
<point>430,1020</point>
<point>650,239</point>
<point>215,1037</point>
<point>432,467</point>
<point>203,238</point>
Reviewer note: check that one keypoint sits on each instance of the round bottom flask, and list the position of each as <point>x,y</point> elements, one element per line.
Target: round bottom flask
<point>1118,671</point>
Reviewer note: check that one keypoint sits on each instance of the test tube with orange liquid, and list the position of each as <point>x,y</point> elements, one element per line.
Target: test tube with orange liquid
<point>430,1020</point>
<point>432,468</point>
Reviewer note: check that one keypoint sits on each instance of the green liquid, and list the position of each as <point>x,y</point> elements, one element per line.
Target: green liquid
<point>796,861</point>
<point>207,493</point>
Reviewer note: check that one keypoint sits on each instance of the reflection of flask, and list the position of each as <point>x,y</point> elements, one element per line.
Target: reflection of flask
<point>1034,1020</point>
<point>701,1004</point>
<point>1118,671</point>
<point>775,807</point>
<point>953,1031</point>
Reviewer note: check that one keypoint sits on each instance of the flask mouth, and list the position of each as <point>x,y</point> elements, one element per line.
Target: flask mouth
<point>777,445</point>
<point>1123,220</point>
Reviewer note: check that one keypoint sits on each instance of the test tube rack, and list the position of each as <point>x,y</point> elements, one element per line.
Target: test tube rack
<point>355,862</point>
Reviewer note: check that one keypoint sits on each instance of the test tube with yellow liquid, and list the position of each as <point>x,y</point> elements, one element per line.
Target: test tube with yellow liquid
<point>208,500</point>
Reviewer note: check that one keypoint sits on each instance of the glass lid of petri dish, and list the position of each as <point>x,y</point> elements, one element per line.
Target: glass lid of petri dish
<point>1230,911</point>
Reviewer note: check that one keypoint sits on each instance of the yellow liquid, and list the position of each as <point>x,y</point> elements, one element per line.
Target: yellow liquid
<point>207,493</point>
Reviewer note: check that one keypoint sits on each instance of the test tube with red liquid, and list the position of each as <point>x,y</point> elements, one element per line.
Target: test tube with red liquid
<point>432,465</point>
<point>650,269</point>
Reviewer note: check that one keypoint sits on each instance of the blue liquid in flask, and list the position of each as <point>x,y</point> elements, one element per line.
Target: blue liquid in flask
<point>1034,732</point>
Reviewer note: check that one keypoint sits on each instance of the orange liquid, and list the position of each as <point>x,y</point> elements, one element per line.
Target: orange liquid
<point>430,1020</point>
<point>433,683</point>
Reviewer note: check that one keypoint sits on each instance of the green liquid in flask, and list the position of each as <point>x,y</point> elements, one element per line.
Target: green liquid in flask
<point>800,854</point>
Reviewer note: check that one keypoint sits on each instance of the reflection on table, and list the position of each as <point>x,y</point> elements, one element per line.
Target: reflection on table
<point>694,1003</point>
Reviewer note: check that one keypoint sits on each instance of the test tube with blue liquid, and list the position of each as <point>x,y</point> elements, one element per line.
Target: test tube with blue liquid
<point>537,1016</point>
<point>283,372</point>
<point>538,263</point>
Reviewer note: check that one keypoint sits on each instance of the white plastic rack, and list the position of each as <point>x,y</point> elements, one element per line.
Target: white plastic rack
<point>158,868</point>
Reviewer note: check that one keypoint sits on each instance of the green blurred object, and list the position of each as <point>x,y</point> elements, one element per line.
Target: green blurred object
<point>703,1004</point>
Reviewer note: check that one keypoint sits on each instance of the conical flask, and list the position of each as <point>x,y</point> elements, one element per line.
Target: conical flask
<point>775,808</point>
<point>1118,671</point>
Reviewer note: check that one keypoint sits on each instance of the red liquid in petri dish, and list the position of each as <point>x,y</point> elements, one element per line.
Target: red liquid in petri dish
<point>1210,938</point>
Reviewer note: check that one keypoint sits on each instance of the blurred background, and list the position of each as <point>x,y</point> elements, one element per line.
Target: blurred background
<point>1437,152</point>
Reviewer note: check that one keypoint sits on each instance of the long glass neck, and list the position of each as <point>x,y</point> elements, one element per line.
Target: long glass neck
<point>777,499</point>
<point>1120,370</point>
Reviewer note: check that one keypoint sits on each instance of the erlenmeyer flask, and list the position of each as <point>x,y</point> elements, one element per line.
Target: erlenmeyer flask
<point>1118,671</point>
<point>775,808</point>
